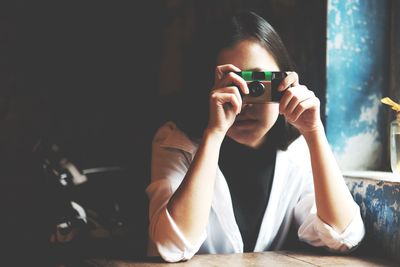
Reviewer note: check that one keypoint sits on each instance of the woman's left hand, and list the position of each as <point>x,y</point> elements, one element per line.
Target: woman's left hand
<point>299,105</point>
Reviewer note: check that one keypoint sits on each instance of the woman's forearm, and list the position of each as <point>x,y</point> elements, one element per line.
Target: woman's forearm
<point>190,204</point>
<point>333,199</point>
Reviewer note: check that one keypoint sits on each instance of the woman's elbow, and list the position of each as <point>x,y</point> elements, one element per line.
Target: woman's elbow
<point>167,242</point>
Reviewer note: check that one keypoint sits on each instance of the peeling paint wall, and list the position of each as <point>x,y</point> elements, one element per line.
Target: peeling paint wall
<point>357,76</point>
<point>379,202</point>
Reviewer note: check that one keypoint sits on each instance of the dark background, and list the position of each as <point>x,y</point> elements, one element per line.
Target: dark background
<point>99,77</point>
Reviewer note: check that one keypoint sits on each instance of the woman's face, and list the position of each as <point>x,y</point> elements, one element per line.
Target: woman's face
<point>255,120</point>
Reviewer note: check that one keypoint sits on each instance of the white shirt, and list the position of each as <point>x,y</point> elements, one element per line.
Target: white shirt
<point>291,202</point>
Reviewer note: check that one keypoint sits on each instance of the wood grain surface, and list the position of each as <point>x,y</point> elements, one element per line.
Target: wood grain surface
<point>276,258</point>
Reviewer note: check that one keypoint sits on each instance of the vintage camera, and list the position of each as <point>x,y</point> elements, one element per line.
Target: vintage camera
<point>262,86</point>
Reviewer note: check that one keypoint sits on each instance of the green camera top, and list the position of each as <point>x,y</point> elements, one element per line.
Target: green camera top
<point>262,85</point>
<point>255,75</point>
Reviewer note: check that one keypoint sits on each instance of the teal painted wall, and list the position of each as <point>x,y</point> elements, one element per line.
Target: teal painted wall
<point>357,77</point>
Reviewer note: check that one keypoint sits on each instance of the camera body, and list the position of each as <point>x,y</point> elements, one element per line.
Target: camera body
<point>262,86</point>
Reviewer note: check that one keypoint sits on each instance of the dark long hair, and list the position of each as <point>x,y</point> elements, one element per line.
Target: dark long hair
<point>210,40</point>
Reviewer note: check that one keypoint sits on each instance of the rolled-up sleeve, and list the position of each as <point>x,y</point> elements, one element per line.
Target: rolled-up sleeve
<point>169,166</point>
<point>170,242</point>
<point>312,229</point>
<point>315,232</point>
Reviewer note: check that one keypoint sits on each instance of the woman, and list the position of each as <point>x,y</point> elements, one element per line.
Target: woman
<point>250,177</point>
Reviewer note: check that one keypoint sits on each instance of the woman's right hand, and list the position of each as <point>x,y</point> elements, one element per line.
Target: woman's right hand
<point>225,98</point>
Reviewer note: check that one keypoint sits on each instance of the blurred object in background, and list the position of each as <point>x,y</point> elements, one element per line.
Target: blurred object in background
<point>89,209</point>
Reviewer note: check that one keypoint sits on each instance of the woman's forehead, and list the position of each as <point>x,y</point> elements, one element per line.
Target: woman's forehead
<point>247,55</point>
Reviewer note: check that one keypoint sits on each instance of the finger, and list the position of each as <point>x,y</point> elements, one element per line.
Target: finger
<point>300,94</point>
<point>236,105</point>
<point>286,98</point>
<point>291,80</point>
<point>221,99</point>
<point>307,104</point>
<point>222,70</point>
<point>232,78</point>
<point>232,90</point>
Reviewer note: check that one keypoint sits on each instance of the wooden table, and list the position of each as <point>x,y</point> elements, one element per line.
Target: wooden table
<point>275,258</point>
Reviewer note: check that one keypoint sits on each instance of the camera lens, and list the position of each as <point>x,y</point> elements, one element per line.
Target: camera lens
<point>256,88</point>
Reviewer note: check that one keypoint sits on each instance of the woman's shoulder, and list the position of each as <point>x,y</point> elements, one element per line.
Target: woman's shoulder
<point>298,144</point>
<point>298,150</point>
<point>170,136</point>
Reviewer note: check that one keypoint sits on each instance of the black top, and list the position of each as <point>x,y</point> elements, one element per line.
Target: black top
<point>249,173</point>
